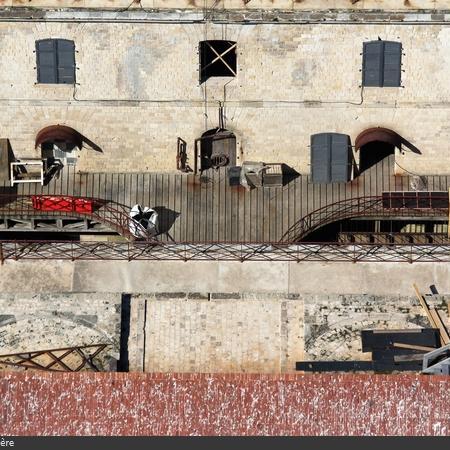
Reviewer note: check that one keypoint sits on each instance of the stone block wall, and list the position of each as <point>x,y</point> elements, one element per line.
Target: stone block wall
<point>48,321</point>
<point>138,90</point>
<point>261,333</point>
<point>232,4</point>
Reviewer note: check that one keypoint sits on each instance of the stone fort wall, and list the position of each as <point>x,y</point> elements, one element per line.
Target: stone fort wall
<point>138,90</point>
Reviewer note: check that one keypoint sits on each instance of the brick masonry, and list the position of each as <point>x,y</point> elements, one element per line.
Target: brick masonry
<point>138,91</point>
<point>260,333</point>
<point>234,4</point>
<point>203,404</point>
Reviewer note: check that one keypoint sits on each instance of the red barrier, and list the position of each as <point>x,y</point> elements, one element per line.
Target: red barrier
<point>66,204</point>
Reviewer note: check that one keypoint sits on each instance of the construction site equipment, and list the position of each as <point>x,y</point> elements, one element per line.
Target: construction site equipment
<point>28,171</point>
<point>437,362</point>
<point>433,317</point>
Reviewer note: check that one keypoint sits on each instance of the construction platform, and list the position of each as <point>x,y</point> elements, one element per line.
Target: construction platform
<point>205,208</point>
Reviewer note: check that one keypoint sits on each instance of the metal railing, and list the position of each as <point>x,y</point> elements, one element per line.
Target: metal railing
<point>356,207</point>
<point>117,216</point>
<point>141,251</point>
<point>114,214</point>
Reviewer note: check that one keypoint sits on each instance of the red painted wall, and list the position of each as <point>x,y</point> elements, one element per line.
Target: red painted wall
<point>183,404</point>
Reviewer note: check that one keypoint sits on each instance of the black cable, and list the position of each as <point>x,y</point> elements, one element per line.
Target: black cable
<point>139,2</point>
<point>408,171</point>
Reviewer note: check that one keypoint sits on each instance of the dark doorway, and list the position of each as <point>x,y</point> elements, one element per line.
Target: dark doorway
<point>217,149</point>
<point>374,152</point>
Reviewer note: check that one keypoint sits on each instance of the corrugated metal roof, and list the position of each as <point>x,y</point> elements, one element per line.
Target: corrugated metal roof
<point>240,404</point>
<point>59,132</point>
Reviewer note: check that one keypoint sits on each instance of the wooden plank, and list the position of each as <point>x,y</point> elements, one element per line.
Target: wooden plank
<point>5,158</point>
<point>445,338</point>
<point>221,180</point>
<point>267,215</point>
<point>228,196</point>
<point>236,194</point>
<point>409,357</point>
<point>282,211</point>
<point>185,207</point>
<point>424,305</point>
<point>175,230</point>
<point>194,233</point>
<point>413,347</point>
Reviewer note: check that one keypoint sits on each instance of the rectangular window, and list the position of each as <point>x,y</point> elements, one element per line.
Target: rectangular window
<point>217,59</point>
<point>382,61</point>
<point>55,59</point>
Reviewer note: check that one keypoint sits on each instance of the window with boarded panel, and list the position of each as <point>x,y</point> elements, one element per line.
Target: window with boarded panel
<point>55,61</point>
<point>330,157</point>
<point>217,59</point>
<point>382,61</point>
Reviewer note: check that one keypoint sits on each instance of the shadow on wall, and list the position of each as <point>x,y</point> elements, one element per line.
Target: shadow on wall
<point>166,219</point>
<point>123,363</point>
<point>409,146</point>
<point>375,144</point>
<point>90,144</point>
<point>289,174</point>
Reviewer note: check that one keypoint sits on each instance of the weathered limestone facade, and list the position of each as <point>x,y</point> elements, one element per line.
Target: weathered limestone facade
<point>137,90</point>
<point>233,4</point>
<point>33,322</point>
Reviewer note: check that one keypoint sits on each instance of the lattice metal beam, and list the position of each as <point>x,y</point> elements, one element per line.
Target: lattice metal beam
<point>322,252</point>
<point>356,207</point>
<point>68,359</point>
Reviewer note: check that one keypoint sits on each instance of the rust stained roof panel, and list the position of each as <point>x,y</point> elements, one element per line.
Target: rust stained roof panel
<point>39,403</point>
<point>59,133</point>
<point>377,134</point>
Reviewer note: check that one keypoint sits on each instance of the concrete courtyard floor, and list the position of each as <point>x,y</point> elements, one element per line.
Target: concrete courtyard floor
<point>222,277</point>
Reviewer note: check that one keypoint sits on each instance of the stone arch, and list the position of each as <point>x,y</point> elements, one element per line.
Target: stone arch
<point>375,144</point>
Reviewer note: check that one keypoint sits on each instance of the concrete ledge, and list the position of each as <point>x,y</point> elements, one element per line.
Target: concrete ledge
<point>344,16</point>
<point>221,277</point>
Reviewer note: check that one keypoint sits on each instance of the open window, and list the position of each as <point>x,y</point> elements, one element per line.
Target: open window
<point>55,61</point>
<point>217,59</point>
<point>382,61</point>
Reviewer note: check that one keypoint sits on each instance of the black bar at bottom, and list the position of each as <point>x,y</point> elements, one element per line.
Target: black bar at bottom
<point>333,366</point>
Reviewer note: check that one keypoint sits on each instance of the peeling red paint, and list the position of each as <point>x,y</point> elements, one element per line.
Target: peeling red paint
<point>37,403</point>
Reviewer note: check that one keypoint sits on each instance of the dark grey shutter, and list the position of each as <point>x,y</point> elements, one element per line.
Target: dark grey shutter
<point>330,158</point>
<point>392,64</point>
<point>320,158</point>
<point>382,61</point>
<point>340,157</point>
<point>66,61</point>
<point>372,64</point>
<point>46,61</point>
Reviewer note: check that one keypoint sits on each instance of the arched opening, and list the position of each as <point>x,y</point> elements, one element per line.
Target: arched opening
<point>374,152</point>
<point>375,144</point>
<point>59,143</point>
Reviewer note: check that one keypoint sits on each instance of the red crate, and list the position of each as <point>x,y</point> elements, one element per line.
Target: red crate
<point>66,204</point>
<point>83,206</point>
<point>47,203</point>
